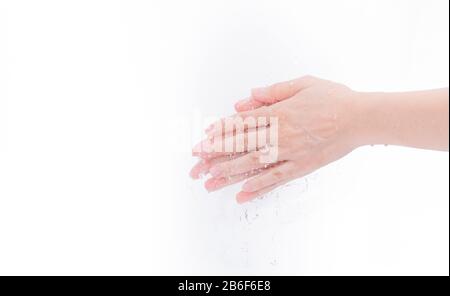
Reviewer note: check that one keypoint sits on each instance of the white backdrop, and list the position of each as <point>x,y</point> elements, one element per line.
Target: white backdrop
<point>98,104</point>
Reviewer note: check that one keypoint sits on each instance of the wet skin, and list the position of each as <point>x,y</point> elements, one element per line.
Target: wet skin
<point>319,122</point>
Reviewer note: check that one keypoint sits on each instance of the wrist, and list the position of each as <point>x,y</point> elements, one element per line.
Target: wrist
<point>368,119</point>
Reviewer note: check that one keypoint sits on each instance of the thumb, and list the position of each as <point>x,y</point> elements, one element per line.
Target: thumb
<point>247,104</point>
<point>263,96</point>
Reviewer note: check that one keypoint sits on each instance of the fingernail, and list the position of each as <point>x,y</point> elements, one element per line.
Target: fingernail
<point>260,92</point>
<point>215,171</point>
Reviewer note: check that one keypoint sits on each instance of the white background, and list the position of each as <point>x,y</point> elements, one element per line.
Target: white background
<point>98,104</point>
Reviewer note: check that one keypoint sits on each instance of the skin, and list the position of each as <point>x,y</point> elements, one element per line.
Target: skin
<point>319,122</point>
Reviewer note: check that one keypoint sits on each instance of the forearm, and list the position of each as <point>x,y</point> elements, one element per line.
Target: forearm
<point>415,119</point>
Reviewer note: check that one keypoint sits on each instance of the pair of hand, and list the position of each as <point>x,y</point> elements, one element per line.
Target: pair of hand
<point>316,126</point>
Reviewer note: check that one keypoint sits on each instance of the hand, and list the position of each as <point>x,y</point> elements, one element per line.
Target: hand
<point>317,124</point>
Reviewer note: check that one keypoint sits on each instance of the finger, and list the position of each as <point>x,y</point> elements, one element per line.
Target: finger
<point>214,184</point>
<point>209,150</point>
<point>246,163</point>
<point>202,167</point>
<point>241,122</point>
<point>243,197</point>
<point>247,141</point>
<point>282,90</point>
<point>263,96</point>
<point>202,147</point>
<point>247,104</point>
<point>284,172</point>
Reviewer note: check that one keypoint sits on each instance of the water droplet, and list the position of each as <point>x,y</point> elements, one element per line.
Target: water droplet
<point>265,149</point>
